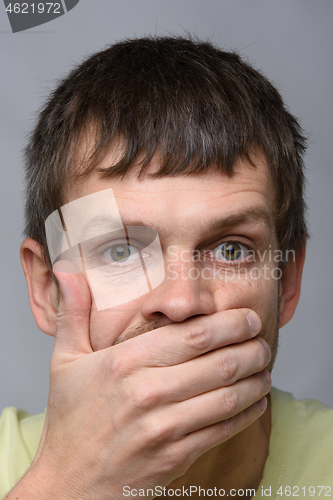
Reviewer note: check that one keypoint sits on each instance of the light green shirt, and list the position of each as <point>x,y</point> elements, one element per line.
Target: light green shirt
<point>300,459</point>
<point>299,464</point>
<point>19,438</point>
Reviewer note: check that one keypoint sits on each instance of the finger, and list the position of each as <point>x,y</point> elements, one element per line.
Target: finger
<point>219,405</point>
<point>220,368</point>
<point>72,332</point>
<point>196,425</point>
<point>180,342</point>
<point>198,442</point>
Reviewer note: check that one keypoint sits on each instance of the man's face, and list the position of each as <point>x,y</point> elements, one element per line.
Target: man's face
<point>218,240</point>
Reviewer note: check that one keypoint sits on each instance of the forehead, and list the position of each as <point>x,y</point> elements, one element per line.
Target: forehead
<point>184,201</point>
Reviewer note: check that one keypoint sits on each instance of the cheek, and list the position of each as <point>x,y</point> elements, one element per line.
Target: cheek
<point>259,294</point>
<point>107,325</point>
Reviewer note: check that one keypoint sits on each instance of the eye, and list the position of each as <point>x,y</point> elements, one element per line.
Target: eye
<point>230,251</point>
<point>121,252</point>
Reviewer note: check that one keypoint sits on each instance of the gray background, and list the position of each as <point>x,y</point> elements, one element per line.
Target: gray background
<point>289,40</point>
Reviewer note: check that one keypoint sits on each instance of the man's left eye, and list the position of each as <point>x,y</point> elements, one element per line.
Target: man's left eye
<point>230,251</point>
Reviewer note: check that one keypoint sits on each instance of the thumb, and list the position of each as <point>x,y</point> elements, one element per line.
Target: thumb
<point>73,315</point>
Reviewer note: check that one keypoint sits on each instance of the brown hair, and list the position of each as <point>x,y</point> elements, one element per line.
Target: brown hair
<point>199,107</point>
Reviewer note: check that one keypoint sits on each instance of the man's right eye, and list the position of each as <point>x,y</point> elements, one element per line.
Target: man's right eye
<point>120,252</point>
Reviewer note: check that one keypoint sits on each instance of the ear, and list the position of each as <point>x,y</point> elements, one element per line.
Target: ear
<point>290,285</point>
<point>42,289</point>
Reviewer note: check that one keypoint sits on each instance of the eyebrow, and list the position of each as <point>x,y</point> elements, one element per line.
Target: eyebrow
<point>109,225</point>
<point>105,222</point>
<point>257,215</point>
<point>254,215</point>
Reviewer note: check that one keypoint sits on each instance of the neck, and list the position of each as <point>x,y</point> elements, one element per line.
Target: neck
<point>236,464</point>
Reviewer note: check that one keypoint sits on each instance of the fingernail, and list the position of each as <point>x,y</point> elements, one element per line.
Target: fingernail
<point>65,266</point>
<point>267,378</point>
<point>266,347</point>
<point>254,322</point>
<point>262,404</point>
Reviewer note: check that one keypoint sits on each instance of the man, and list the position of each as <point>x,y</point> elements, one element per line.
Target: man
<point>160,391</point>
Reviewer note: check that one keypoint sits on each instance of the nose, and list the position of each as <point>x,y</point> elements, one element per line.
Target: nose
<point>183,293</point>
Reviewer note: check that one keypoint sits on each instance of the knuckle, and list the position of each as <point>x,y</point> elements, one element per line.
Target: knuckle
<point>78,316</point>
<point>238,321</point>
<point>240,316</point>
<point>158,432</point>
<point>122,361</point>
<point>61,315</point>
<point>260,387</point>
<point>117,365</point>
<point>198,338</point>
<point>145,398</point>
<point>233,318</point>
<point>249,416</point>
<point>230,402</point>
<point>227,429</point>
<point>61,320</point>
<point>227,367</point>
<point>261,354</point>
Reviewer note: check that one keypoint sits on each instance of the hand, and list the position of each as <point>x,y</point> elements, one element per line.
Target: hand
<point>141,412</point>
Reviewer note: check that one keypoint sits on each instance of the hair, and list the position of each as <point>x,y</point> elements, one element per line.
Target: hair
<point>195,106</point>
